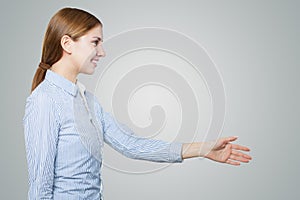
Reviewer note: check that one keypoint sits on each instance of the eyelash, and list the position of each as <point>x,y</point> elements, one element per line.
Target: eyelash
<point>96,42</point>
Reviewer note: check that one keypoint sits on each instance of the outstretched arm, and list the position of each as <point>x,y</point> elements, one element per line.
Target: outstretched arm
<point>220,150</point>
<point>121,138</point>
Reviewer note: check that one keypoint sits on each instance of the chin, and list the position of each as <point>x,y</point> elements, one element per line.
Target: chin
<point>91,72</point>
<point>88,71</point>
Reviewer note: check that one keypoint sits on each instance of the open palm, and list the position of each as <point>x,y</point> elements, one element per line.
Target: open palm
<point>225,152</point>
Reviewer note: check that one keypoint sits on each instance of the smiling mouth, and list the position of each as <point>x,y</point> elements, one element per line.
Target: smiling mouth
<point>94,61</point>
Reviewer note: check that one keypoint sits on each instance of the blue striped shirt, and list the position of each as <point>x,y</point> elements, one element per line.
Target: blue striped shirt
<point>65,128</point>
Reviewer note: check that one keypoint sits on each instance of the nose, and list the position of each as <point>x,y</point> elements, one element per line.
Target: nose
<point>100,51</point>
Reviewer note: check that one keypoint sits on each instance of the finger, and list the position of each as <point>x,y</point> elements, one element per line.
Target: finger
<point>247,156</point>
<point>240,147</point>
<point>233,162</point>
<point>238,158</point>
<point>237,153</point>
<point>230,139</point>
<point>224,141</point>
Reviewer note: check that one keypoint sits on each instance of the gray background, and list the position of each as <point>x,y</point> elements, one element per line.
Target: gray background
<point>254,45</point>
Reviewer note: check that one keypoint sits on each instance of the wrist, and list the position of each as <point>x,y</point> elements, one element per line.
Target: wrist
<point>190,150</point>
<point>206,149</point>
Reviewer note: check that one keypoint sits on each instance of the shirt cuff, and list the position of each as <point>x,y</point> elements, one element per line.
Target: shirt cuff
<point>175,152</point>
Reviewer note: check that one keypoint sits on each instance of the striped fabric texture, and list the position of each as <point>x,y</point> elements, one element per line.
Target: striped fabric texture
<point>65,129</point>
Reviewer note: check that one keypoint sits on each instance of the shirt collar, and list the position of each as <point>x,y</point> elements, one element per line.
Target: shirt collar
<point>81,87</point>
<point>61,82</point>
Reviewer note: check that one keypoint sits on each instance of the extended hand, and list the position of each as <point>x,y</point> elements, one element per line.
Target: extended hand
<point>225,152</point>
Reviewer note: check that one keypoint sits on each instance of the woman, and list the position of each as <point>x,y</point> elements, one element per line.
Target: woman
<point>65,126</point>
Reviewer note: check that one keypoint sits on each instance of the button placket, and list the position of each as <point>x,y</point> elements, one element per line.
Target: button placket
<point>81,91</point>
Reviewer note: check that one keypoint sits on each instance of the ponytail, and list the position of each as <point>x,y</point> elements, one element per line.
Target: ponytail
<point>39,75</point>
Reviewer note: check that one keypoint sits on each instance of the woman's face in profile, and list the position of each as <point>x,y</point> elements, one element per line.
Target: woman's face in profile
<point>87,50</point>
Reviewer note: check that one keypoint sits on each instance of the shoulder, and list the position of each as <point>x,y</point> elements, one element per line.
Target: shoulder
<point>42,99</point>
<point>43,92</point>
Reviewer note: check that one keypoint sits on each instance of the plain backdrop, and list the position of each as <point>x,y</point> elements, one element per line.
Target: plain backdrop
<point>255,45</point>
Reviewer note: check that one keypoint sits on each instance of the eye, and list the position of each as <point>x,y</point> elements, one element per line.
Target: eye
<point>96,42</point>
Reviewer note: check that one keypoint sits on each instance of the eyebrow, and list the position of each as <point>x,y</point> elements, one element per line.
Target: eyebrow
<point>98,38</point>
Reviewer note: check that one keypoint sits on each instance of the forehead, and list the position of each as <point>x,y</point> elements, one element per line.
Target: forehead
<point>96,31</point>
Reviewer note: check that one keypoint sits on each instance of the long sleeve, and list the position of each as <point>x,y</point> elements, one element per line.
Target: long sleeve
<point>41,128</point>
<point>123,140</point>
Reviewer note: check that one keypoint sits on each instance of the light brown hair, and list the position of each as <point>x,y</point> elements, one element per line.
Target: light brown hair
<point>73,22</point>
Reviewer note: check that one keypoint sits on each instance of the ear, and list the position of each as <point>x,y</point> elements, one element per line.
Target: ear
<point>66,43</point>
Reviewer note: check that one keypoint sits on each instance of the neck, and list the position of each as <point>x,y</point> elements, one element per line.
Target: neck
<point>65,69</point>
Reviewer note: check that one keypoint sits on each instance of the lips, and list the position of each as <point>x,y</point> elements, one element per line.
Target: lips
<point>95,61</point>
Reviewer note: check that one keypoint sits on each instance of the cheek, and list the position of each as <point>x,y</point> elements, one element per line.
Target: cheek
<point>84,52</point>
<point>89,51</point>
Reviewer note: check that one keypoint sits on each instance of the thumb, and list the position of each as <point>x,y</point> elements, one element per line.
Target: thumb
<point>231,138</point>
